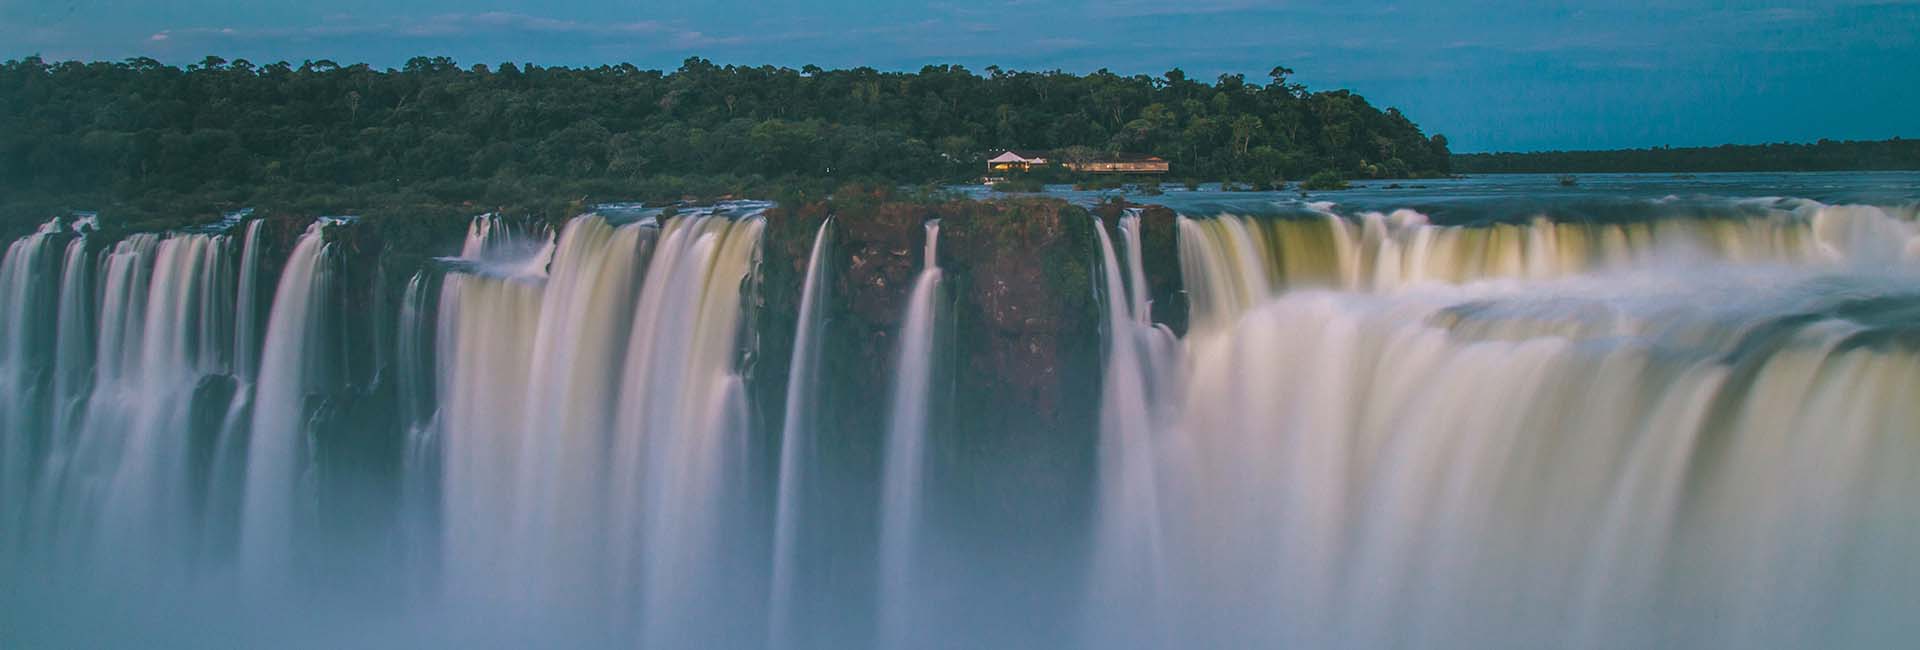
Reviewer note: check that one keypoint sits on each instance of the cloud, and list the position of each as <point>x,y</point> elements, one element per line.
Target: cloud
<point>507,21</point>
<point>692,39</point>
<point>1782,15</point>
<point>1144,8</point>
<point>461,25</point>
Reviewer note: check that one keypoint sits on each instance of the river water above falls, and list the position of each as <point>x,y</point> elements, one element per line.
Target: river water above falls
<point>1642,412</point>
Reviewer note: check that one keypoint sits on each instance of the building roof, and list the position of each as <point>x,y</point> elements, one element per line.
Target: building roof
<point>1019,155</point>
<point>1032,156</point>
<point>1125,157</point>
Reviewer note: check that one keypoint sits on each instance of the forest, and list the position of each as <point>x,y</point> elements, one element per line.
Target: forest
<point>143,138</point>
<point>1825,155</point>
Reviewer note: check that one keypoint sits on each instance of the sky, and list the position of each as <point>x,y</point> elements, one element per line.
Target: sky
<point>1493,75</point>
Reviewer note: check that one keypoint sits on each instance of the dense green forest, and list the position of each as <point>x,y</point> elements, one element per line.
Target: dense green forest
<point>1825,155</point>
<point>139,135</point>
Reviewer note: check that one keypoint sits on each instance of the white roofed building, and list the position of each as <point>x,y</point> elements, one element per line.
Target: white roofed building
<point>1017,160</point>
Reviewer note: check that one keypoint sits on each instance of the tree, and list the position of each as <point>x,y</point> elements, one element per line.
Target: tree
<point>1244,128</point>
<point>1279,74</point>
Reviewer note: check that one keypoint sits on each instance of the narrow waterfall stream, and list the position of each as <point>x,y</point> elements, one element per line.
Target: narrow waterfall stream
<point>797,450</point>
<point>902,497</point>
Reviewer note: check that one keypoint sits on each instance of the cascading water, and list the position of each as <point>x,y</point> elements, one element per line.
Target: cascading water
<point>73,361</point>
<point>626,387</point>
<point>592,423</point>
<point>29,286</point>
<point>295,361</point>
<point>691,459</point>
<point>420,463</point>
<point>1126,570</point>
<point>902,493</point>
<point>123,470</point>
<point>151,492</point>
<point>1543,435</point>
<point>73,497</point>
<point>797,444</point>
<point>1232,263</point>
<point>226,477</point>
<point>246,306</point>
<point>1671,430</point>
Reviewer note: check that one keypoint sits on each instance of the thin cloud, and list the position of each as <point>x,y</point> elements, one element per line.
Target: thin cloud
<point>692,39</point>
<point>1147,8</point>
<point>523,22</point>
<point>457,25</point>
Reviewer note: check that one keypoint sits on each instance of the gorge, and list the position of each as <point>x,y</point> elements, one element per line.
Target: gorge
<point>1470,416</point>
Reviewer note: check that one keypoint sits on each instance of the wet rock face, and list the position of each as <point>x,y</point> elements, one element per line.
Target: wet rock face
<point>1008,253</point>
<point>1160,248</point>
<point>1026,283</point>
<point>881,250</point>
<point>1027,364</point>
<point>1016,387</point>
<point>1020,302</point>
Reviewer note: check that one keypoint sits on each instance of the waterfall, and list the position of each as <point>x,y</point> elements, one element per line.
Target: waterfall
<point>295,362</point>
<point>1256,258</point>
<point>73,359</point>
<point>1378,431</point>
<point>226,476</point>
<point>797,441</point>
<point>72,379</point>
<point>1139,307</point>
<point>485,322</point>
<point>29,277</point>
<point>1137,354</point>
<point>184,338</point>
<point>120,469</point>
<point>683,396</point>
<point>419,419</point>
<point>74,497</point>
<point>413,349</point>
<point>1389,434</point>
<point>246,310</point>
<point>592,422</point>
<point>902,492</point>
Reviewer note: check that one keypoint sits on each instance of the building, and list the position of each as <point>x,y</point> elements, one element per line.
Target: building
<point>1120,163</point>
<point>1015,160</point>
<point>1020,160</point>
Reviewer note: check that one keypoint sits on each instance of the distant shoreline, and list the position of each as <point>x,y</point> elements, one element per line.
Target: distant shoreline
<point>1896,154</point>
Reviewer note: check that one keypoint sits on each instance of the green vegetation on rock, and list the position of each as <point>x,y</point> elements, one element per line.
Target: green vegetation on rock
<point>1327,180</point>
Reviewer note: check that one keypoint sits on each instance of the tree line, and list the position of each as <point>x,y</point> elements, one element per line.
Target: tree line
<point>1825,155</point>
<point>142,132</point>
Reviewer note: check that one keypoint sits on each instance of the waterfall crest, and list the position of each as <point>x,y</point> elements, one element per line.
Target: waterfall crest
<point>1231,263</point>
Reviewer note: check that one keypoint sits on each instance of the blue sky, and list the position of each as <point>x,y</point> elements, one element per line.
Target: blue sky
<point>1491,74</point>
